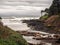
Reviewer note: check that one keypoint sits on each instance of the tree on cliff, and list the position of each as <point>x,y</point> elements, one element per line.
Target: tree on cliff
<point>54,8</point>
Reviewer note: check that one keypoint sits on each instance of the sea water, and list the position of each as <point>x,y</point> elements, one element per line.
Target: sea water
<point>16,23</point>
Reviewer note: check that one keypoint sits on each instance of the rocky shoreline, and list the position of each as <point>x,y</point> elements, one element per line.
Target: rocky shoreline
<point>39,26</point>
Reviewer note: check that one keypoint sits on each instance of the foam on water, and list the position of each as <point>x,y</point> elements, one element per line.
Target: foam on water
<point>16,23</point>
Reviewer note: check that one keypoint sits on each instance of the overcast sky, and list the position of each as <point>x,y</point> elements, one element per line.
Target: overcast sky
<point>23,7</point>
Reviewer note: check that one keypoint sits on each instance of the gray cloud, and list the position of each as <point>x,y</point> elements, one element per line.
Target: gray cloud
<point>23,7</point>
<point>26,2</point>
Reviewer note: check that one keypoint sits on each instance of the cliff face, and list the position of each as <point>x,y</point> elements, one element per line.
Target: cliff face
<point>10,37</point>
<point>53,21</point>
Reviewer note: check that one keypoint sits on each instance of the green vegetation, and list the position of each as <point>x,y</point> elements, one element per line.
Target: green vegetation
<point>44,17</point>
<point>54,9</point>
<point>10,37</point>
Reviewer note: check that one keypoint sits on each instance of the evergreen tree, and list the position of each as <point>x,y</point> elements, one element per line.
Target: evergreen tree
<point>54,8</point>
